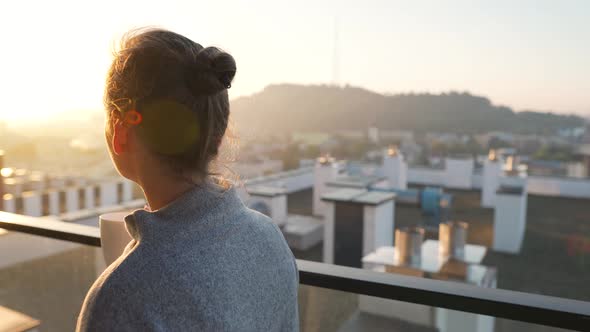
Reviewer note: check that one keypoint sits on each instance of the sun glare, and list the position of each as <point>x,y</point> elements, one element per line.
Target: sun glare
<point>60,51</point>
<point>6,172</point>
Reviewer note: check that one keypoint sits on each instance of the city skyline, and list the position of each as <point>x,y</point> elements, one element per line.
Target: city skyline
<point>525,56</point>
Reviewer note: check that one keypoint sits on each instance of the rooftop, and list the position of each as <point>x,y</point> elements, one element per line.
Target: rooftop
<point>550,263</point>
<point>547,263</point>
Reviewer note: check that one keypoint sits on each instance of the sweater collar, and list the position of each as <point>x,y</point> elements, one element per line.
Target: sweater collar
<point>199,207</point>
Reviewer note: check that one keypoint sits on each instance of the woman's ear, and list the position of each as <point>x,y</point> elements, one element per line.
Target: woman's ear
<point>120,137</point>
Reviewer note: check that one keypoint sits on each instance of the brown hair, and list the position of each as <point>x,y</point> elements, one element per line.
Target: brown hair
<point>180,89</point>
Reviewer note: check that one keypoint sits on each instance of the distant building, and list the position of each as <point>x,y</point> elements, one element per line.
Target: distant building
<point>399,135</point>
<point>572,132</point>
<point>577,169</point>
<point>261,167</point>
<point>373,134</point>
<point>547,167</point>
<point>583,151</point>
<point>310,138</point>
<point>352,134</point>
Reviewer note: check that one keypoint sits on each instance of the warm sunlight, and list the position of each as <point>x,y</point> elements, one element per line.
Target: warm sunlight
<point>53,67</point>
<point>6,172</point>
<point>55,57</point>
<point>57,65</point>
<point>299,165</point>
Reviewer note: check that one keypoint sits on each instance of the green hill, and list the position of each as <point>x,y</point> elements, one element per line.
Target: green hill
<point>287,107</point>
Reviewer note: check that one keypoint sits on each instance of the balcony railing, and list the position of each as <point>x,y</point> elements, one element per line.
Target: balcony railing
<point>525,307</point>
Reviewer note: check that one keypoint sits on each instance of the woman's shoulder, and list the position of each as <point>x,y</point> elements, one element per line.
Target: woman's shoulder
<point>261,230</point>
<point>108,300</point>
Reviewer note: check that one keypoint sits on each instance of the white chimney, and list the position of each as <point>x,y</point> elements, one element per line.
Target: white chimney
<point>395,168</point>
<point>458,172</point>
<point>492,170</point>
<point>325,169</point>
<point>72,199</point>
<point>510,219</point>
<point>356,223</point>
<point>452,237</point>
<point>53,203</point>
<point>270,201</point>
<point>32,204</point>
<point>108,193</point>
<point>127,190</point>
<point>89,197</point>
<point>408,246</point>
<point>9,203</point>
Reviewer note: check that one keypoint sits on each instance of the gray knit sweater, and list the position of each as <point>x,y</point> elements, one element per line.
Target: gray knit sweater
<point>203,263</point>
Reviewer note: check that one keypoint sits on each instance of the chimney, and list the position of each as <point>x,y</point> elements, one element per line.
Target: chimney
<point>452,236</point>
<point>72,199</point>
<point>395,168</point>
<point>492,170</point>
<point>459,172</point>
<point>127,190</point>
<point>108,193</point>
<point>325,169</point>
<point>9,202</point>
<point>53,203</point>
<point>89,197</point>
<point>356,223</point>
<point>408,246</point>
<point>510,211</point>
<point>270,201</point>
<point>32,204</point>
<point>510,218</point>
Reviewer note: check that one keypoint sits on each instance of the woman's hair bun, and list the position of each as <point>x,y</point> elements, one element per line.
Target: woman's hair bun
<point>213,71</point>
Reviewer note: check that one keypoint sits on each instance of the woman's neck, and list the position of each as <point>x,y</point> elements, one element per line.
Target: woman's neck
<point>161,192</point>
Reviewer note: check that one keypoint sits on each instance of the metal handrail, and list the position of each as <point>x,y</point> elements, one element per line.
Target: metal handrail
<point>54,229</point>
<point>526,307</point>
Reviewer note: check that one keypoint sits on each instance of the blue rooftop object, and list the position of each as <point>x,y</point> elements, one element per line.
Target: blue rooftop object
<point>430,200</point>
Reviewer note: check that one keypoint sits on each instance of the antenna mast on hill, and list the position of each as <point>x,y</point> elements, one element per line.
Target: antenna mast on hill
<point>335,55</point>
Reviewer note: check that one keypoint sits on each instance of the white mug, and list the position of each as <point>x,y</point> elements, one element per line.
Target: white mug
<point>113,235</point>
